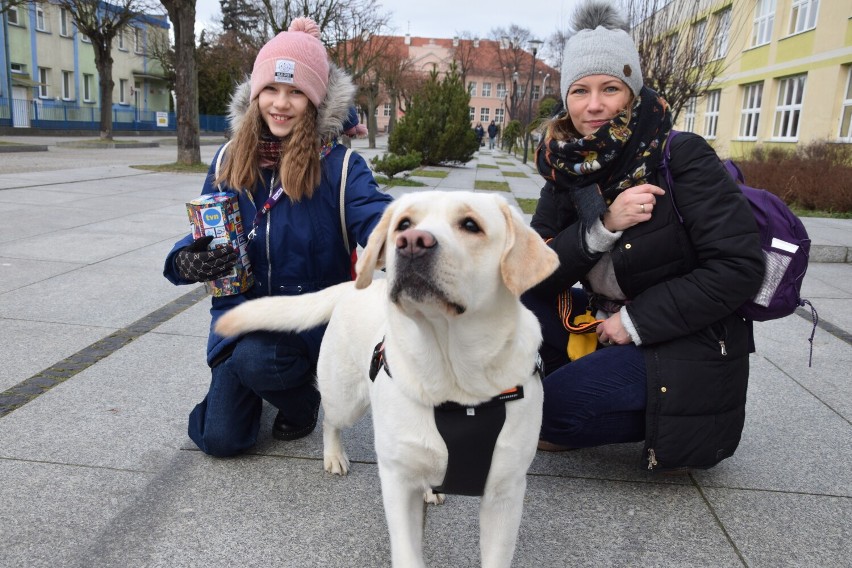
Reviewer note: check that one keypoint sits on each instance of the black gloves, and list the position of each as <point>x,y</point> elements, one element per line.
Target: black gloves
<point>197,264</point>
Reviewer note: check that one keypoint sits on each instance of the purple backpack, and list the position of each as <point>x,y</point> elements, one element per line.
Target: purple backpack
<point>785,243</point>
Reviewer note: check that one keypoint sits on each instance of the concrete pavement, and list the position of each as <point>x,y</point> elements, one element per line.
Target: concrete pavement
<point>102,359</point>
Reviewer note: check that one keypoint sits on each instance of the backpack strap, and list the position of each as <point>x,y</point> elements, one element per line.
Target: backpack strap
<point>667,172</point>
<point>343,176</point>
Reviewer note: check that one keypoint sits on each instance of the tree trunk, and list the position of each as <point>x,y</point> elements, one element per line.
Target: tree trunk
<point>394,104</point>
<point>182,15</point>
<point>372,126</point>
<point>103,63</point>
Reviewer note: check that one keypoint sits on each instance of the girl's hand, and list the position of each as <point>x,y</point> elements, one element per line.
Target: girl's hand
<point>611,331</point>
<point>634,205</point>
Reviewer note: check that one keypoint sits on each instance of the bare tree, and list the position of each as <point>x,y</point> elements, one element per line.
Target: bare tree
<point>6,5</point>
<point>514,62</point>
<point>395,71</point>
<point>682,46</point>
<point>464,54</point>
<point>101,22</point>
<point>277,14</point>
<point>182,15</point>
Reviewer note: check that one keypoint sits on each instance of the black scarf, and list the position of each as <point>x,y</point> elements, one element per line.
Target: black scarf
<point>596,168</point>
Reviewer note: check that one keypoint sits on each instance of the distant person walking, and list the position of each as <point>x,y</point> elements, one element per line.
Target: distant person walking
<point>480,133</point>
<point>492,135</point>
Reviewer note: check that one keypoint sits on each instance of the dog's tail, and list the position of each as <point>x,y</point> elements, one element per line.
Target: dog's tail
<point>283,313</point>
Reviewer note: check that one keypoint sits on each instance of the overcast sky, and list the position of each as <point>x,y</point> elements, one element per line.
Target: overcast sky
<point>446,18</point>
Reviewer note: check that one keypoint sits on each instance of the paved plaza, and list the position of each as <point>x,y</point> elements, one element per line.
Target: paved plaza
<point>102,359</point>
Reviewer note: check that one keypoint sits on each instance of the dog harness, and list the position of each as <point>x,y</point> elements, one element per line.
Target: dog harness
<point>470,432</point>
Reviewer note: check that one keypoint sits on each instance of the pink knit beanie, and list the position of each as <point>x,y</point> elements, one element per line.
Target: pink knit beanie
<point>296,57</point>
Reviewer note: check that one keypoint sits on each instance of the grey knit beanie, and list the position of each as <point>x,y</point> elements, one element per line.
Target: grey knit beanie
<point>600,46</point>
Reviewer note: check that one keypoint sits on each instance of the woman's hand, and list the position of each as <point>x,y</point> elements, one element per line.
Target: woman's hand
<point>611,331</point>
<point>634,205</point>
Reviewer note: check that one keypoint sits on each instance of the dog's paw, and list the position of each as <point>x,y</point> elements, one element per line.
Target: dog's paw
<point>433,498</point>
<point>338,464</point>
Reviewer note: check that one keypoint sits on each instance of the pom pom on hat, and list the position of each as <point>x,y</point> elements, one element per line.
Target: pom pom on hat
<point>600,46</point>
<point>296,57</point>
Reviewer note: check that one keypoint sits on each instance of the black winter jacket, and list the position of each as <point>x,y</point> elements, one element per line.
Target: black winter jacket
<point>683,282</point>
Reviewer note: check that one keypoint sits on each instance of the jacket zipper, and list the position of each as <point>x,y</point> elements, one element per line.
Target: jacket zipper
<point>268,252</point>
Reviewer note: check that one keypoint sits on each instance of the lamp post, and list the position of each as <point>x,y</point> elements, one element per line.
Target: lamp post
<point>544,85</point>
<point>535,44</point>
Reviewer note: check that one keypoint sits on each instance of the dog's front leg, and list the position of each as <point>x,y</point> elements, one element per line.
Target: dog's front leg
<point>404,513</point>
<point>499,520</point>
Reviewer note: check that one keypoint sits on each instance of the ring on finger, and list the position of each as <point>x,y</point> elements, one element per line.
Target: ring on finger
<point>642,205</point>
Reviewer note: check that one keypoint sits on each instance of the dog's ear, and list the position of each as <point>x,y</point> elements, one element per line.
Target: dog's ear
<point>373,257</point>
<point>526,259</point>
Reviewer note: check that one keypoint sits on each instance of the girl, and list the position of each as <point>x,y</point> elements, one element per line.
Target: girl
<point>286,165</point>
<point>672,365</point>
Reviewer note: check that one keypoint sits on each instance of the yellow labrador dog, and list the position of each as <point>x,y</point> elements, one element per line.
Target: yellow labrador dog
<point>431,348</point>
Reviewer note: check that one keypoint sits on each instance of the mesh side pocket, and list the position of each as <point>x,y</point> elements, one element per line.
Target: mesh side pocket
<point>776,266</point>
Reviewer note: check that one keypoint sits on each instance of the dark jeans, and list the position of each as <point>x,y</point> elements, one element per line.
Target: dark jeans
<point>276,367</point>
<point>597,399</point>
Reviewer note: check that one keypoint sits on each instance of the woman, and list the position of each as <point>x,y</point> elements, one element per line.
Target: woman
<point>672,365</point>
<point>285,122</point>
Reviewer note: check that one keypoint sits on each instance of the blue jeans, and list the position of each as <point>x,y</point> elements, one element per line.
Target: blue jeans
<point>597,399</point>
<point>276,367</point>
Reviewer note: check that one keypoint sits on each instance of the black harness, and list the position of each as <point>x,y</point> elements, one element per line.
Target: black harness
<point>470,433</point>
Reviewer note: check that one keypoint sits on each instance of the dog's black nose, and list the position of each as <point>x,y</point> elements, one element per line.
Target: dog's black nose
<point>414,243</point>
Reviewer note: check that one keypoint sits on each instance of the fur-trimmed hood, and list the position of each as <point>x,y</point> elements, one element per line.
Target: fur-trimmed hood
<point>332,113</point>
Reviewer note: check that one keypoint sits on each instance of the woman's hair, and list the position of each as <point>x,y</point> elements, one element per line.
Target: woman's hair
<point>299,165</point>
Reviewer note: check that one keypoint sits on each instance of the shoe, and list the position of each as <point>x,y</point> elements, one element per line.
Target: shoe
<point>282,430</point>
<point>546,446</point>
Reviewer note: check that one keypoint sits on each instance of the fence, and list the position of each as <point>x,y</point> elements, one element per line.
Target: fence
<point>48,114</point>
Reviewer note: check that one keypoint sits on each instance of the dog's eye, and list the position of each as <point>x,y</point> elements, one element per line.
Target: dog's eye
<point>470,225</point>
<point>403,224</point>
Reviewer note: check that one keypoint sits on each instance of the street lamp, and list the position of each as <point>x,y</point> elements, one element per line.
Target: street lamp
<point>544,85</point>
<point>534,44</point>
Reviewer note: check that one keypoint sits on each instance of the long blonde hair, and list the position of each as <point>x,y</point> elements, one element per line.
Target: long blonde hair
<point>299,166</point>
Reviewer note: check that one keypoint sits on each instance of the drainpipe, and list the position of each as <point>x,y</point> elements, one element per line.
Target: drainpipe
<point>8,69</point>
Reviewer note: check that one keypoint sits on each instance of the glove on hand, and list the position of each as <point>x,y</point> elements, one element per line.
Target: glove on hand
<point>197,264</point>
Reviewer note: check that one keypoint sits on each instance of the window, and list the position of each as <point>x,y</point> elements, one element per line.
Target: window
<point>498,115</point>
<point>41,24</point>
<point>689,115</point>
<point>764,19</point>
<point>68,85</point>
<point>122,90</point>
<point>12,16</point>
<point>484,114</point>
<point>671,48</point>
<point>790,93</point>
<point>386,110</point>
<point>84,38</point>
<point>711,116</point>
<point>471,88</point>
<point>471,111</point>
<point>87,87</point>
<point>121,45</point>
<point>804,15</point>
<point>43,91</point>
<point>17,68</point>
<point>486,89</point>
<point>138,40</point>
<point>750,116</point>
<point>63,23</point>
<point>723,32</point>
<point>501,91</point>
<point>699,39</point>
<point>846,113</point>
<point>536,92</point>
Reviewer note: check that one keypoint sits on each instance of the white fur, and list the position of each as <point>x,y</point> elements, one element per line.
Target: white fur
<point>435,354</point>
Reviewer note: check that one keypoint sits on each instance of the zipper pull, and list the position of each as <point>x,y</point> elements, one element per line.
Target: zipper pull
<point>652,459</point>
<point>724,350</point>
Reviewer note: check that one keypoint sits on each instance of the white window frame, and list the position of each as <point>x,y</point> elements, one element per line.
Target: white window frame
<point>138,41</point>
<point>788,112</point>
<point>764,20</point>
<point>471,88</point>
<point>121,44</point>
<point>845,133</point>
<point>41,19</point>
<point>803,15</point>
<point>750,114</point>
<point>501,91</point>
<point>386,109</point>
<point>471,111</point>
<point>67,85</point>
<point>723,33</point>
<point>486,89</point>
<point>711,115</point>
<point>536,92</point>
<point>484,114</point>
<point>699,40</point>
<point>63,23</point>
<point>44,79</point>
<point>122,89</point>
<point>88,83</point>
<point>84,38</point>
<point>12,16</point>
<point>499,115</point>
<point>689,114</point>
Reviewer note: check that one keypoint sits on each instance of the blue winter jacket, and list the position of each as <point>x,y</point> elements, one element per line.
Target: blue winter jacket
<point>298,247</point>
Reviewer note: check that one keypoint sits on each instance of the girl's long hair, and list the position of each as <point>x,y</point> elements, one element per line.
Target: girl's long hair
<point>299,167</point>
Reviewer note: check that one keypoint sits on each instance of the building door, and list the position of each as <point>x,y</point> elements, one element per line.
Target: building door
<point>20,107</point>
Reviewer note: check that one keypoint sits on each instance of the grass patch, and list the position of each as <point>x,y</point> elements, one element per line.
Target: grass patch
<point>817,213</point>
<point>491,185</point>
<point>420,172</point>
<point>526,204</point>
<point>513,174</point>
<point>174,167</point>
<point>402,182</point>
<point>505,164</point>
<point>486,166</point>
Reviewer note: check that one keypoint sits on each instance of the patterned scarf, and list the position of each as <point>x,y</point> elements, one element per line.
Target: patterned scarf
<point>596,168</point>
<point>269,150</point>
